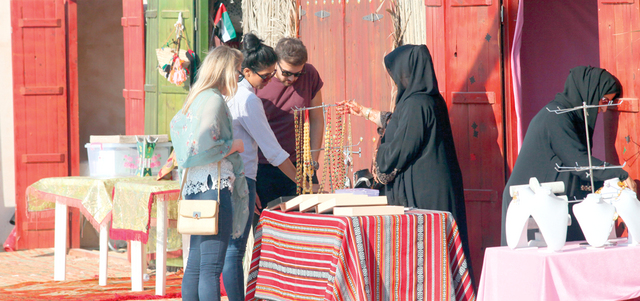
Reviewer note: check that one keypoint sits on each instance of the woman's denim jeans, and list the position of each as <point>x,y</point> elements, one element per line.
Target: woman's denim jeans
<point>233,274</point>
<point>201,280</point>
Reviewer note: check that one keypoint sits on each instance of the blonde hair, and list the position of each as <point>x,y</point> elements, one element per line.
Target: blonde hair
<point>219,71</point>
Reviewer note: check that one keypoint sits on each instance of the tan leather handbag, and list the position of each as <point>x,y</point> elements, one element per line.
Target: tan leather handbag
<point>198,217</point>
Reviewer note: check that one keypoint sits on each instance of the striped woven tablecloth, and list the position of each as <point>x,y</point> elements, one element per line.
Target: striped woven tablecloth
<point>415,256</point>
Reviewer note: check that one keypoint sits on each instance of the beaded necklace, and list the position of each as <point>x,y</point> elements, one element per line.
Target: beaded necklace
<point>298,136</point>
<point>338,158</point>
<point>327,144</point>
<point>308,167</point>
<point>349,143</point>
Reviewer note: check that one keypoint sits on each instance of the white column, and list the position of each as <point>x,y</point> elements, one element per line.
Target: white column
<point>60,244</point>
<point>104,253</point>
<point>138,265</point>
<point>161,247</point>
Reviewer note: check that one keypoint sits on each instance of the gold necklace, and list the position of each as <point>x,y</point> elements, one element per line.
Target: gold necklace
<point>298,141</point>
<point>308,166</point>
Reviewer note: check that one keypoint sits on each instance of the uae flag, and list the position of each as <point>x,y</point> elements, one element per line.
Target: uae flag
<point>223,23</point>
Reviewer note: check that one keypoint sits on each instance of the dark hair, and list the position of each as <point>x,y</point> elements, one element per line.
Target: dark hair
<point>292,51</point>
<point>257,56</point>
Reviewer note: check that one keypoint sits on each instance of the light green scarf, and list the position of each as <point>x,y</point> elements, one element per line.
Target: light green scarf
<point>203,136</point>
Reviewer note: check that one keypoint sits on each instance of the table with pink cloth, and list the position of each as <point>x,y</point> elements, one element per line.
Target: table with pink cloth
<point>575,273</point>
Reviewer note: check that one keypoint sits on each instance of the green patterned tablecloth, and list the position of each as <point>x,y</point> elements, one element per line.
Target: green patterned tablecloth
<point>93,196</point>
<point>134,203</point>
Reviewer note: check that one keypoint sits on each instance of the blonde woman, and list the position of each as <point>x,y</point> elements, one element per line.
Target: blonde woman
<point>202,136</point>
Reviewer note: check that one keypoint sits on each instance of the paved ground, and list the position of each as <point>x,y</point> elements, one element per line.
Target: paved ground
<point>37,265</point>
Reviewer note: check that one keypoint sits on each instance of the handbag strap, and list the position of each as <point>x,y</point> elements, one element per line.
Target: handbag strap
<point>184,179</point>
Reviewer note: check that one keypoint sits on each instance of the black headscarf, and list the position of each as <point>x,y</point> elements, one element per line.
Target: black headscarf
<point>411,68</point>
<point>588,85</point>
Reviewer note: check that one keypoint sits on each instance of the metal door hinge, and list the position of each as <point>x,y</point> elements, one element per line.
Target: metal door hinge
<point>151,14</point>
<point>502,14</point>
<point>301,12</point>
<point>322,14</point>
<point>373,17</point>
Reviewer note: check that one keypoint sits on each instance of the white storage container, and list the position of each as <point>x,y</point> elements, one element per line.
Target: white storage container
<point>121,159</point>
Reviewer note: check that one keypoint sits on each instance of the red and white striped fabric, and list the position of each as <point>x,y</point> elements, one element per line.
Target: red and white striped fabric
<point>415,256</point>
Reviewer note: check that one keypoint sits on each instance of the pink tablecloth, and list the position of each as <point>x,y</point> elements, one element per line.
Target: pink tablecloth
<point>575,273</point>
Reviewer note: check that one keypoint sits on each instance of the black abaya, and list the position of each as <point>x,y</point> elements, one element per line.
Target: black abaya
<point>561,139</point>
<point>418,142</point>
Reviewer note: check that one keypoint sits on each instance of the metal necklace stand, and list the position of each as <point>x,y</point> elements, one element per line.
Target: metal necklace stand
<point>589,168</point>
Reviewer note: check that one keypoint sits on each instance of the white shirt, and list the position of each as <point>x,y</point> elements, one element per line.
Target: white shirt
<point>250,124</point>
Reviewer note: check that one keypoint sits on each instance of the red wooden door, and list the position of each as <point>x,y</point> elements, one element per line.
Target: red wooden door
<point>367,36</point>
<point>619,29</point>
<point>134,60</point>
<point>474,95</point>
<point>45,120</point>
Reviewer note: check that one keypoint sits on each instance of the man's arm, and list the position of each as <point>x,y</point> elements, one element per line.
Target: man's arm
<point>317,125</point>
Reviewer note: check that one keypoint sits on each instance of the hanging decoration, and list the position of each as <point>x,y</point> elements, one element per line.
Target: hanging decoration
<point>173,62</point>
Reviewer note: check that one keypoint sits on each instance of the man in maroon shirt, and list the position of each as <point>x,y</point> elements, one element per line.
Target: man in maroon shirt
<point>296,84</point>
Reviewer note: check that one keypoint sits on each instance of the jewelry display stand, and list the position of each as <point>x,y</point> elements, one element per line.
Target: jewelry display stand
<point>595,216</point>
<point>337,148</point>
<point>626,205</point>
<point>550,212</point>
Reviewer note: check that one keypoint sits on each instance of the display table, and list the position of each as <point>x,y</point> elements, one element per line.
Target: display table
<point>415,256</point>
<point>131,220</point>
<point>94,198</point>
<point>576,273</point>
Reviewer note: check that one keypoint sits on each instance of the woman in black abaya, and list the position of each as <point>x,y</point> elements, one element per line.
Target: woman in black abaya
<point>561,139</point>
<point>416,157</point>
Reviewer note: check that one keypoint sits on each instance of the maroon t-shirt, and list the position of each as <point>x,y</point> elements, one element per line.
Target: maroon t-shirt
<point>279,102</point>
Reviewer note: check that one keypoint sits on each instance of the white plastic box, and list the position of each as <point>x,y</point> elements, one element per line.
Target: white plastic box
<point>121,159</point>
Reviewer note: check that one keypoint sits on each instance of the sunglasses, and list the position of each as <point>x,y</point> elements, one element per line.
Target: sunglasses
<point>240,76</point>
<point>286,73</point>
<point>264,77</point>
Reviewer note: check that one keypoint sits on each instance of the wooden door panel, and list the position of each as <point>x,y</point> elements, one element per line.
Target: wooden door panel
<point>474,96</point>
<point>162,98</point>
<point>367,80</point>
<point>619,33</point>
<point>151,72</point>
<point>436,42</point>
<point>41,108</point>
<point>322,32</point>
<point>134,60</point>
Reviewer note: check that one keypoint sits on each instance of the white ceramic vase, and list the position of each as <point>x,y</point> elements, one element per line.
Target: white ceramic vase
<point>595,217</point>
